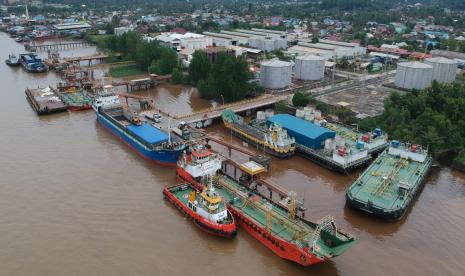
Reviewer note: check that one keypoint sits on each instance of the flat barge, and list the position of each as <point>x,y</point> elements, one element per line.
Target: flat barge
<point>322,145</point>
<point>388,187</point>
<point>45,100</point>
<point>273,139</point>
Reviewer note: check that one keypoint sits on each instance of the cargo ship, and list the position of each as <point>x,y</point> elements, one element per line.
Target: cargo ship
<point>323,145</point>
<point>388,187</point>
<point>150,142</point>
<point>76,99</point>
<point>206,208</point>
<point>32,63</point>
<point>273,139</point>
<point>280,229</point>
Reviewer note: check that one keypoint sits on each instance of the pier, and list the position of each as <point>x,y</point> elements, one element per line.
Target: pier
<point>56,46</point>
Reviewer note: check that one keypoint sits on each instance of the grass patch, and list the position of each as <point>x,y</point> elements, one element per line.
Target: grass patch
<point>126,71</point>
<point>96,38</point>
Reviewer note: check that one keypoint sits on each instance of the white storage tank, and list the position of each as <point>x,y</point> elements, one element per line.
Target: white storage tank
<point>309,67</point>
<point>275,74</point>
<point>269,113</point>
<point>261,116</point>
<point>299,113</point>
<point>414,75</point>
<point>444,69</point>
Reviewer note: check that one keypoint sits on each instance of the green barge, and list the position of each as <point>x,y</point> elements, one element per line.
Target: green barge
<point>388,187</point>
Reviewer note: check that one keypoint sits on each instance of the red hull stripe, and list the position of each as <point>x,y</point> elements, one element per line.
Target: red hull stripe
<point>221,230</point>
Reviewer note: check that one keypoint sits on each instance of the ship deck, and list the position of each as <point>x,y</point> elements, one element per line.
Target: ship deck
<point>379,184</point>
<point>281,225</point>
<point>76,98</point>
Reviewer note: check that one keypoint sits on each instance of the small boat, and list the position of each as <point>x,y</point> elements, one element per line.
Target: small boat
<point>12,60</point>
<point>206,208</point>
<point>19,39</point>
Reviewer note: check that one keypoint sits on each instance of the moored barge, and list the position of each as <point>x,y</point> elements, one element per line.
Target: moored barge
<point>388,187</point>
<point>322,145</point>
<point>76,99</point>
<point>273,139</point>
<point>45,100</point>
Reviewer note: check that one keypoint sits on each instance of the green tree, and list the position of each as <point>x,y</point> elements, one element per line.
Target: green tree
<point>168,61</point>
<point>177,76</point>
<point>300,99</point>
<point>199,68</point>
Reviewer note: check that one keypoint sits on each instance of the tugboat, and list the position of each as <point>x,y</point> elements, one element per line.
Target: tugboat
<point>12,60</point>
<point>149,141</point>
<point>206,208</point>
<point>388,187</point>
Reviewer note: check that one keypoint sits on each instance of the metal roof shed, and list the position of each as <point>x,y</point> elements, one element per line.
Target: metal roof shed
<point>304,132</point>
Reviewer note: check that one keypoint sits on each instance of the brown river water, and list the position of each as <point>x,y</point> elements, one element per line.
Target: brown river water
<point>74,200</point>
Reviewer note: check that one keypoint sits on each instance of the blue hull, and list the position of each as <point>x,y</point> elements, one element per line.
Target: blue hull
<point>162,156</point>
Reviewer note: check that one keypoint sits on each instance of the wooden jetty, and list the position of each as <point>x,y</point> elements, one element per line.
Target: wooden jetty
<point>45,100</point>
<point>56,46</point>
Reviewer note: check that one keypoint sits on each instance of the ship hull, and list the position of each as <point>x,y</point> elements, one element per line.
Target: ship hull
<point>320,160</point>
<point>280,247</point>
<point>185,176</point>
<point>162,157</point>
<point>220,230</point>
<point>389,215</point>
<point>254,141</point>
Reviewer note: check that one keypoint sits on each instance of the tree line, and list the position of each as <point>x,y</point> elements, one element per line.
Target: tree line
<point>226,78</point>
<point>434,117</point>
<point>150,56</point>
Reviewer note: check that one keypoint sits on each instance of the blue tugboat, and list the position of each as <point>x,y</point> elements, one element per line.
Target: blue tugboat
<point>33,63</point>
<point>150,142</point>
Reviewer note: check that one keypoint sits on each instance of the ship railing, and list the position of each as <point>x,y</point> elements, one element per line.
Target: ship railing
<point>300,231</point>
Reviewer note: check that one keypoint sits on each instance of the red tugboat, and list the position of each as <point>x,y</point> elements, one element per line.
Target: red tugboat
<point>206,208</point>
<point>196,163</point>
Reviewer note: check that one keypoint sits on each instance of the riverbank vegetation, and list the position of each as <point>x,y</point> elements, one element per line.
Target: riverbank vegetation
<point>227,78</point>
<point>148,56</point>
<point>125,71</point>
<point>434,118</point>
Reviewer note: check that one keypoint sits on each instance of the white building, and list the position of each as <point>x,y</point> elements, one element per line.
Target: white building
<point>122,30</point>
<point>184,41</point>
